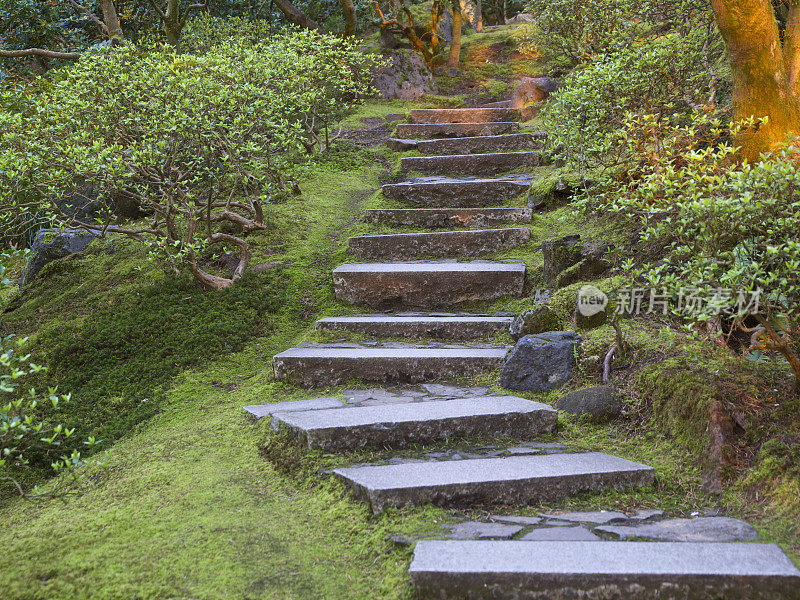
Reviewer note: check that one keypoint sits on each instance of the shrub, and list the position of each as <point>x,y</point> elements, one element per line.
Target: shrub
<point>196,142</point>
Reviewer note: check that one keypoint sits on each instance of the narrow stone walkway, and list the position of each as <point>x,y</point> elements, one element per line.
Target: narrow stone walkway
<point>468,154</point>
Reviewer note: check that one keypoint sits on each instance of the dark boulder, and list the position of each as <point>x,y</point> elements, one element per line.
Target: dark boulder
<point>541,363</point>
<point>50,245</point>
<point>598,404</point>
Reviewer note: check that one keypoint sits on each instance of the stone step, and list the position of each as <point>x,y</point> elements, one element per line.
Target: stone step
<point>463,115</point>
<point>473,242</point>
<point>500,104</point>
<point>472,145</point>
<point>450,130</point>
<point>446,217</point>
<point>444,570</point>
<point>476,482</point>
<point>472,164</point>
<point>427,284</point>
<point>405,424</point>
<point>463,192</point>
<point>323,367</point>
<point>424,326</point>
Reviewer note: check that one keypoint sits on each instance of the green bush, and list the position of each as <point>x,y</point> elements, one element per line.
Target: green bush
<point>197,141</point>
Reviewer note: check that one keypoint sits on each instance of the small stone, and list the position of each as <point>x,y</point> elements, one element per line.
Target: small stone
<point>594,517</point>
<point>401,540</point>
<point>702,529</point>
<point>541,363</point>
<point>598,404</point>
<point>476,530</point>
<point>646,515</point>
<point>539,319</point>
<point>560,534</point>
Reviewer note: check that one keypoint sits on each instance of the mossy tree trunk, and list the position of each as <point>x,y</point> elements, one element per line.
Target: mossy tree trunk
<point>349,10</point>
<point>111,21</point>
<point>291,12</point>
<point>766,72</point>
<point>455,45</point>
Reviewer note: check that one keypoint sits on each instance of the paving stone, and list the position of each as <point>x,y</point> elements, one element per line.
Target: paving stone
<point>447,217</point>
<point>593,517</point>
<point>516,520</point>
<point>505,570</point>
<point>511,480</point>
<point>646,515</point>
<point>399,246</point>
<point>318,367</point>
<point>437,389</point>
<point>453,328</point>
<point>476,530</point>
<point>473,145</point>
<point>472,164</point>
<point>448,130</point>
<point>462,115</point>
<point>427,284</point>
<point>702,529</point>
<point>458,192</point>
<point>560,534</point>
<point>260,411</point>
<point>400,425</point>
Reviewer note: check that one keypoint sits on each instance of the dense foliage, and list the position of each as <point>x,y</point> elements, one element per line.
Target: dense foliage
<point>197,141</point>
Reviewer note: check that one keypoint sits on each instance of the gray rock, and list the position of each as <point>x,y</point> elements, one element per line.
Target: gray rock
<point>598,404</point>
<point>406,76</point>
<point>560,534</point>
<point>646,515</point>
<point>560,254</point>
<point>703,529</point>
<point>520,19</point>
<point>506,570</point>
<point>475,530</point>
<point>601,517</point>
<point>437,389</point>
<point>541,363</point>
<point>529,92</point>
<point>540,319</point>
<point>51,245</point>
<point>516,520</point>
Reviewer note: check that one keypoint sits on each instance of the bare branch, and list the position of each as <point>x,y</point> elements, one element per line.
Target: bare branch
<point>39,52</point>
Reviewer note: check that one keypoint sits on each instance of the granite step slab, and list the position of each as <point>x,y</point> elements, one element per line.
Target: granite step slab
<point>322,367</point>
<point>463,115</point>
<point>451,328</point>
<point>498,104</point>
<point>427,284</point>
<point>451,130</point>
<point>471,145</point>
<point>575,570</point>
<point>439,244</point>
<point>467,192</point>
<point>472,164</point>
<point>404,424</point>
<point>510,480</point>
<point>447,217</point>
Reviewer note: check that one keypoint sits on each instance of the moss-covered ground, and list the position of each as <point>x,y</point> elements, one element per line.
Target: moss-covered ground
<point>189,498</point>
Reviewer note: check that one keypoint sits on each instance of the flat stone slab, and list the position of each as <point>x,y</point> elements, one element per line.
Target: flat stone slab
<point>427,284</point>
<point>472,164</point>
<point>560,534</point>
<point>447,217</point>
<point>398,246</point>
<point>609,570</point>
<point>463,115</point>
<point>317,367</point>
<point>453,328</point>
<point>449,130</point>
<point>401,425</point>
<point>259,411</point>
<point>600,517</point>
<point>511,480</point>
<point>475,530</point>
<point>472,145</point>
<point>516,520</point>
<point>703,529</point>
<point>459,192</point>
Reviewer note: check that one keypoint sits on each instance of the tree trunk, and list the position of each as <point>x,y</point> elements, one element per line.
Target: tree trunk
<point>111,21</point>
<point>471,11</point>
<point>764,72</point>
<point>290,11</point>
<point>349,10</point>
<point>172,21</point>
<point>436,16</point>
<point>455,45</point>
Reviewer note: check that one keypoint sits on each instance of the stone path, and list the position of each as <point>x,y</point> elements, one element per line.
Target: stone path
<point>564,556</point>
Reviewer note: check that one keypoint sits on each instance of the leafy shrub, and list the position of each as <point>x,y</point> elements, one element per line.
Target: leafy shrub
<point>198,142</point>
<point>723,226</point>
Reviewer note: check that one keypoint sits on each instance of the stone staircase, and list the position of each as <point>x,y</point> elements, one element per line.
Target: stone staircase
<point>462,148</point>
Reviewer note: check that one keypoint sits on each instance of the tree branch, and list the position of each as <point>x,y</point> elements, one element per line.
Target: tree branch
<point>39,52</point>
<point>91,15</point>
